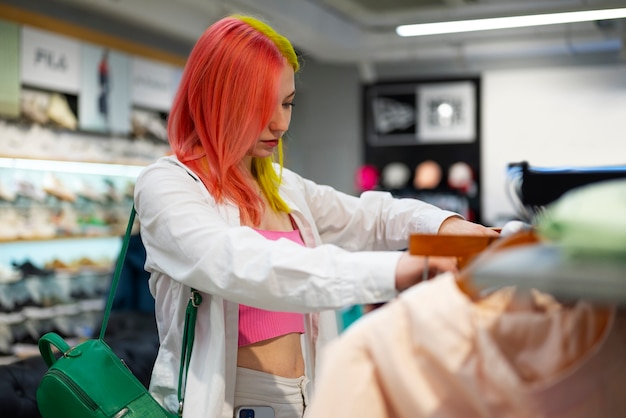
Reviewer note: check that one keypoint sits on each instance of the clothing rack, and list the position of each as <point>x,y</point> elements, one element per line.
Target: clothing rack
<point>465,248</point>
<point>523,260</point>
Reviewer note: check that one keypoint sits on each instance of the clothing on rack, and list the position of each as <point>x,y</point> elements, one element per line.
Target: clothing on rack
<point>433,352</point>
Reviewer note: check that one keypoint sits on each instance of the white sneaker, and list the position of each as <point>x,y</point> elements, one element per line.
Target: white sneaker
<point>59,111</point>
<point>33,105</point>
<point>55,187</point>
<point>7,193</point>
<point>9,274</point>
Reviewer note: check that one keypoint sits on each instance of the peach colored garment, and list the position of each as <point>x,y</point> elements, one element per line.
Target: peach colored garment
<point>434,353</point>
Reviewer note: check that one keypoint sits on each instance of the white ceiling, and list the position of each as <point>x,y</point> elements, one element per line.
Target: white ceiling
<point>363,31</point>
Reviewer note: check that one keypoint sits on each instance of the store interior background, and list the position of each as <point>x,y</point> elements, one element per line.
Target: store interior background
<point>552,96</point>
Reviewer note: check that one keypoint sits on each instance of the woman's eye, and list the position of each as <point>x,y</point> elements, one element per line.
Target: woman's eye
<point>288,105</point>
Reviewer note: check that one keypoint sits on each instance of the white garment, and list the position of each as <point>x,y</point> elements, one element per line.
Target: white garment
<point>191,241</point>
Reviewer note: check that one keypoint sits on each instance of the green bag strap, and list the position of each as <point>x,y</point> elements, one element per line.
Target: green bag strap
<point>190,316</point>
<point>119,265</point>
<point>189,333</point>
<point>45,347</point>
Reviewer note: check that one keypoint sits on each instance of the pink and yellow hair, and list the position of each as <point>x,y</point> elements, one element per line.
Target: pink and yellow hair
<point>226,98</point>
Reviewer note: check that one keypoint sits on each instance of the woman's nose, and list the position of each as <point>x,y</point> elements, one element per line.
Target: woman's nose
<point>280,121</point>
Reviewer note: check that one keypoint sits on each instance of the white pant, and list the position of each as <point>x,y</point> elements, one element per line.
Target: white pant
<point>285,395</point>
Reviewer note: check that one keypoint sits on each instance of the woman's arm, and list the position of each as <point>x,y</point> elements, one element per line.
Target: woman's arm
<point>191,239</point>
<point>373,221</point>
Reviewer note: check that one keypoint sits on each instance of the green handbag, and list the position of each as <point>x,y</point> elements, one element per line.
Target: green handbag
<point>89,380</point>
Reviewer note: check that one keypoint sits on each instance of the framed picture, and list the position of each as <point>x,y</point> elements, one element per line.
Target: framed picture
<point>391,114</point>
<point>421,112</point>
<point>446,112</point>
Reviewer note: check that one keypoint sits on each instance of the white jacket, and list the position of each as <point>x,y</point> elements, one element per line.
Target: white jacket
<point>191,241</point>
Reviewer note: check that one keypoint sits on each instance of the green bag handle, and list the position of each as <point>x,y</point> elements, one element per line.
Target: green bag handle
<point>45,347</point>
<point>188,331</point>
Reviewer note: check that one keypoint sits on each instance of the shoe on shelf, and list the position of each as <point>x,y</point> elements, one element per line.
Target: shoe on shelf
<point>33,105</point>
<point>56,264</point>
<point>9,274</point>
<point>129,190</point>
<point>60,267</point>
<point>89,193</point>
<point>28,190</point>
<point>111,193</point>
<point>59,112</point>
<point>66,221</point>
<point>7,193</point>
<point>11,224</point>
<point>28,269</point>
<point>41,223</point>
<point>55,187</point>
<point>157,127</point>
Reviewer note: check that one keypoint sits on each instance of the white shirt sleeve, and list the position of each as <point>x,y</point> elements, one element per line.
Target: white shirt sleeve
<point>193,240</point>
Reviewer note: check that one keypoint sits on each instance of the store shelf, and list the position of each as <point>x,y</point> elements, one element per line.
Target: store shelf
<point>61,228</point>
<point>79,167</point>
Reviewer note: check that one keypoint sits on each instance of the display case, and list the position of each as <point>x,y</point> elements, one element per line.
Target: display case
<point>61,228</point>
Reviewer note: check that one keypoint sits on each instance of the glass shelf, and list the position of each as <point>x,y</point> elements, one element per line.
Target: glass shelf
<point>103,169</point>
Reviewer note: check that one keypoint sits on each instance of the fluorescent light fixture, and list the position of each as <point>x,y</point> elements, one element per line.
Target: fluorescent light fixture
<point>438,28</point>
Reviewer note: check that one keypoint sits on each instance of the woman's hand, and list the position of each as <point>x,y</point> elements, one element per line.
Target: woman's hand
<point>459,226</point>
<point>410,269</point>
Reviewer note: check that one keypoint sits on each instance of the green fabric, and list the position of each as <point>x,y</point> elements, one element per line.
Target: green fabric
<point>348,316</point>
<point>589,220</point>
<point>89,380</point>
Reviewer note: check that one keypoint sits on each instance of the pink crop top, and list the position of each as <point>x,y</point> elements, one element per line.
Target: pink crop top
<point>258,324</point>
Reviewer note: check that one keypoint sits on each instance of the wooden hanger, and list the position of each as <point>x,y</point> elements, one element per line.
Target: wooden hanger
<point>465,248</point>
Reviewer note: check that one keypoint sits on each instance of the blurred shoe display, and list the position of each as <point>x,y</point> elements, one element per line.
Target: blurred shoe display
<point>9,274</point>
<point>55,187</point>
<point>59,112</point>
<point>28,269</point>
<point>9,332</point>
<point>10,224</point>
<point>66,221</point>
<point>28,190</point>
<point>56,264</point>
<point>51,190</point>
<point>148,124</point>
<point>39,224</point>
<point>34,104</point>
<point>38,321</point>
<point>111,193</point>
<point>88,192</point>
<point>129,190</point>
<point>7,193</point>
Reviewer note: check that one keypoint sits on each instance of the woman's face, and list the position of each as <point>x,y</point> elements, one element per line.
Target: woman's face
<point>279,122</point>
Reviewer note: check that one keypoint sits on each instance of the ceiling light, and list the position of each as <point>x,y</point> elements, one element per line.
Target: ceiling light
<point>438,28</point>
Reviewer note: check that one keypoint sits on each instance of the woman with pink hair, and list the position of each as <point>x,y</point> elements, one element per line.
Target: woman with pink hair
<point>273,254</point>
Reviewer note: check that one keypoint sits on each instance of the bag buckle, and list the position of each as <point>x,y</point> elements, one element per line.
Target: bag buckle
<point>72,352</point>
<point>122,413</point>
<point>196,298</point>
<point>180,408</point>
